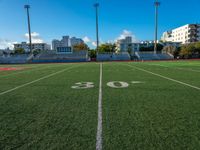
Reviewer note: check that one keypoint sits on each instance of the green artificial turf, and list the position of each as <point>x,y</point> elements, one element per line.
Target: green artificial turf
<point>49,114</point>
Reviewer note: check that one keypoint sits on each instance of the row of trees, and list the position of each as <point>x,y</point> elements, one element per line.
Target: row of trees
<point>37,51</point>
<point>19,51</point>
<point>22,51</point>
<point>103,48</point>
<point>185,51</point>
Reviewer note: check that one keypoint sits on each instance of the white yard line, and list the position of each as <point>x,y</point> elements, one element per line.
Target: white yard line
<point>34,81</point>
<point>99,141</point>
<point>175,67</point>
<point>180,82</point>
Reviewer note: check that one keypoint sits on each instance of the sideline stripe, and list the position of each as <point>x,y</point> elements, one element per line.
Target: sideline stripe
<point>34,81</point>
<point>175,67</point>
<point>180,82</point>
<point>34,68</point>
<point>99,125</point>
<point>22,71</point>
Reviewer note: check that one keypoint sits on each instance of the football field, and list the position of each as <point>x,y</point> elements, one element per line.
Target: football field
<point>111,106</point>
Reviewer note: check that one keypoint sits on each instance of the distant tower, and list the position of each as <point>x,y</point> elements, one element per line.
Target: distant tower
<point>157,4</point>
<point>96,5</point>
<point>27,7</point>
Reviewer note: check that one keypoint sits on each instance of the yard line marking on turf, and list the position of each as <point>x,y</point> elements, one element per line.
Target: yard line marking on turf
<point>34,81</point>
<point>175,67</point>
<point>180,82</point>
<point>99,125</point>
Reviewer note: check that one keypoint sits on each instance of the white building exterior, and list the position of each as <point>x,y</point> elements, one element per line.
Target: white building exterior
<point>65,45</point>
<point>123,45</point>
<point>167,36</point>
<point>76,41</point>
<point>185,34</point>
<point>64,42</point>
<point>35,46</point>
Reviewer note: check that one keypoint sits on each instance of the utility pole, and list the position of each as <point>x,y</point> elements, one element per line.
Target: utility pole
<point>96,5</point>
<point>27,7</point>
<point>157,4</point>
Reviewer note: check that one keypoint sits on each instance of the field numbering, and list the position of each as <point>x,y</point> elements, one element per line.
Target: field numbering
<point>111,84</point>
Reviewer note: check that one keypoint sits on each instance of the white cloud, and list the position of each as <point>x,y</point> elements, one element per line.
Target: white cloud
<point>110,41</point>
<point>127,33</point>
<point>94,43</point>
<point>36,38</point>
<point>90,42</point>
<point>5,43</point>
<point>86,39</point>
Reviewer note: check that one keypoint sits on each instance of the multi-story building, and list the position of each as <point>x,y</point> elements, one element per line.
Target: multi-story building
<point>124,45</point>
<point>167,36</point>
<point>55,44</point>
<point>76,41</point>
<point>185,34</point>
<point>35,46</point>
<point>65,42</point>
<point>65,45</point>
<point>1,52</point>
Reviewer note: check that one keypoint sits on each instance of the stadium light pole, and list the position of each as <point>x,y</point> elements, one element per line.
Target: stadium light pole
<point>157,4</point>
<point>96,5</point>
<point>27,7</point>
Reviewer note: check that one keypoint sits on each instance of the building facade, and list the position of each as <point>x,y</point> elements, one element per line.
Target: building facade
<point>125,45</point>
<point>185,34</point>
<point>76,41</point>
<point>64,42</point>
<point>35,46</point>
<point>167,36</point>
<point>65,45</point>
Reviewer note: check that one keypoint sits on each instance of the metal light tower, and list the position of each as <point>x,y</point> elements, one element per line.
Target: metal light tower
<point>27,7</point>
<point>96,5</point>
<point>157,4</point>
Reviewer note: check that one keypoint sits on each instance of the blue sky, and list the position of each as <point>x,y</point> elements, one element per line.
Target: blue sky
<point>50,19</point>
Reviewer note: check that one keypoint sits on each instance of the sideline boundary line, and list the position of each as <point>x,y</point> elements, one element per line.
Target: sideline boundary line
<point>34,81</point>
<point>167,78</point>
<point>34,68</point>
<point>99,125</point>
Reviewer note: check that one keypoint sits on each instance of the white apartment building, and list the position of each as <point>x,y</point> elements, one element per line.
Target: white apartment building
<point>35,46</point>
<point>185,34</point>
<point>76,41</point>
<point>123,45</point>
<point>167,36</point>
<point>64,42</point>
<point>65,45</point>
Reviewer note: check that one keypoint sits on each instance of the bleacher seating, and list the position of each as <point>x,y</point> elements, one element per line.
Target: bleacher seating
<point>14,59</point>
<point>152,56</point>
<point>113,56</point>
<point>52,56</point>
